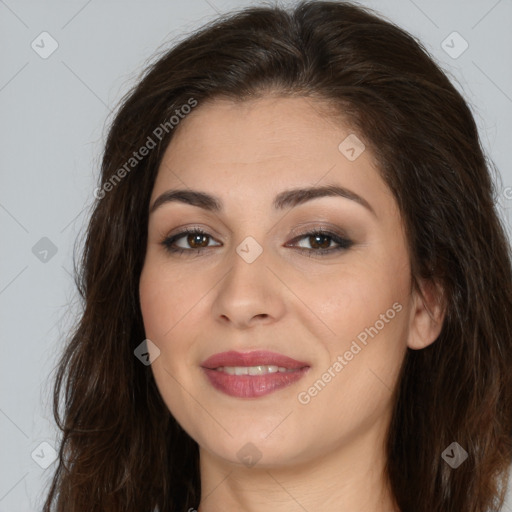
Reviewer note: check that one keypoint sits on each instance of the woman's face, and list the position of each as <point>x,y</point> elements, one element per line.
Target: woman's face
<point>259,277</point>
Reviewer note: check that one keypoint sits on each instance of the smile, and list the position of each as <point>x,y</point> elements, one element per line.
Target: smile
<point>253,370</point>
<point>252,374</point>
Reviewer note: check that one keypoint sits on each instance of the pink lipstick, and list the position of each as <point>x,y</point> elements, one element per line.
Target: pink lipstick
<point>252,374</point>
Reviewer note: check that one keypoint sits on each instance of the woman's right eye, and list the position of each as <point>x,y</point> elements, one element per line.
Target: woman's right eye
<point>196,240</point>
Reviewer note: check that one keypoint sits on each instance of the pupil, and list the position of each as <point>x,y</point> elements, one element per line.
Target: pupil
<point>324,245</point>
<point>200,239</point>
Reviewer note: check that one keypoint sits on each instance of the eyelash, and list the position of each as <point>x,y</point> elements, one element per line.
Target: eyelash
<point>343,243</point>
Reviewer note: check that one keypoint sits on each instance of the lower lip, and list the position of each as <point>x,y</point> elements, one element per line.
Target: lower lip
<point>252,386</point>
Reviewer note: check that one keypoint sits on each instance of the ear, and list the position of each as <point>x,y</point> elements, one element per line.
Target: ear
<point>427,314</point>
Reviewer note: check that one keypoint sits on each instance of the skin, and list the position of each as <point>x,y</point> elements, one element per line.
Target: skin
<point>327,454</point>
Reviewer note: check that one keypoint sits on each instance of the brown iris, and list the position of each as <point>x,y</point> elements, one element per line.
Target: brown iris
<point>199,238</point>
<point>314,239</point>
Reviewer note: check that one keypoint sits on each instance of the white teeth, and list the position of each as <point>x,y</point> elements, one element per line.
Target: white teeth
<point>253,370</point>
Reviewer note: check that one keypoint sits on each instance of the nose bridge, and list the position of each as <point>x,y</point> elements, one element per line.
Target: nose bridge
<point>248,268</point>
<point>248,290</point>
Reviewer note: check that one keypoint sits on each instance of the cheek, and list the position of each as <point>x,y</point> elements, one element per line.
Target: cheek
<point>155,305</point>
<point>367,310</point>
<point>353,386</point>
<point>352,301</point>
<point>166,307</point>
<point>166,295</point>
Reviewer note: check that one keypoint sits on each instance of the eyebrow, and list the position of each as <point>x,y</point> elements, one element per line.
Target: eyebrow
<point>286,199</point>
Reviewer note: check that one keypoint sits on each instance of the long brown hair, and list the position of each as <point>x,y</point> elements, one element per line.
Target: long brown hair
<point>121,449</point>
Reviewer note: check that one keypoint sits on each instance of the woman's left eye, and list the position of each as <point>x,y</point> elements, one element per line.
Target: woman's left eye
<point>320,241</point>
<point>197,240</point>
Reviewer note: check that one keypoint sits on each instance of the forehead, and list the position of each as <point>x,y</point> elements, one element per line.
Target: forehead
<point>255,148</point>
<point>260,129</point>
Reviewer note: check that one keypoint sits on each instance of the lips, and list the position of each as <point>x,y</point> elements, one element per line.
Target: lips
<point>282,371</point>
<point>255,358</point>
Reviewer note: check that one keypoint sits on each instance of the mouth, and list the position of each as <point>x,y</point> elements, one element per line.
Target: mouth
<point>252,374</point>
<point>253,370</point>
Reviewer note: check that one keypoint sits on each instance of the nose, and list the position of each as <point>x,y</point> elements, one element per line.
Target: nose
<point>249,294</point>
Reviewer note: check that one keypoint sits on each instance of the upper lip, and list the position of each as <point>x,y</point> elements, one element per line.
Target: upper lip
<point>254,358</point>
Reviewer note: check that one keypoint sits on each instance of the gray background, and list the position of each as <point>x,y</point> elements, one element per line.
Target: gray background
<point>53,115</point>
